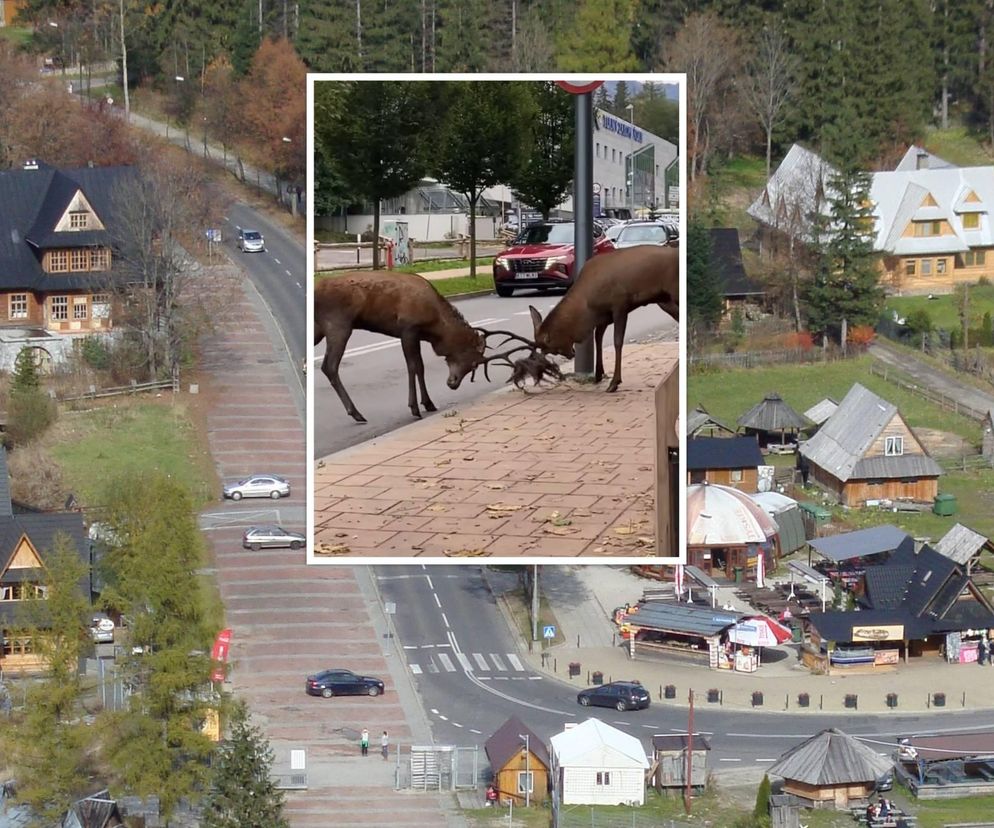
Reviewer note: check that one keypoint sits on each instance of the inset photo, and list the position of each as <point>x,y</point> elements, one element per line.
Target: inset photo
<point>497,320</point>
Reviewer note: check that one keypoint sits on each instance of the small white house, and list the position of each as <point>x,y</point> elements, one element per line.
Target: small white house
<point>596,764</point>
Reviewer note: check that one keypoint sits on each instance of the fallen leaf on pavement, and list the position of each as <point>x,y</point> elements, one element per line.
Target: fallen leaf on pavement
<point>454,412</point>
<point>442,462</point>
<point>645,540</point>
<point>320,464</point>
<point>502,507</point>
<point>625,530</point>
<point>560,530</point>
<point>495,486</point>
<point>438,507</point>
<point>465,553</point>
<point>582,513</point>
<point>332,549</point>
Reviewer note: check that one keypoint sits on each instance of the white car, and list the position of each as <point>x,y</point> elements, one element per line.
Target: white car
<point>102,628</point>
<point>258,485</point>
<point>250,241</point>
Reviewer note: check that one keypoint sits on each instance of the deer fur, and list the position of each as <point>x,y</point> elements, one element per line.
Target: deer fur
<point>401,305</point>
<point>609,287</point>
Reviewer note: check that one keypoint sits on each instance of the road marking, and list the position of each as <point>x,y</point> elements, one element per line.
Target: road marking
<point>277,260</point>
<point>464,662</point>
<point>729,760</point>
<point>299,285</point>
<point>427,578</point>
<point>432,668</point>
<point>443,718</point>
<point>447,663</point>
<point>497,662</point>
<point>446,620</point>
<point>372,347</point>
<point>475,731</point>
<point>501,678</point>
<point>534,678</point>
<point>437,602</point>
<point>765,760</point>
<point>515,662</point>
<point>455,724</point>
<point>484,678</point>
<point>434,710</point>
<point>410,646</point>
<point>288,273</point>
<point>416,669</point>
<point>481,661</point>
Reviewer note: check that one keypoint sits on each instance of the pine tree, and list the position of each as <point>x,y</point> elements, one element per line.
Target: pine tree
<point>30,411</point>
<point>462,35</point>
<point>620,103</point>
<point>327,38</point>
<point>243,794</point>
<point>588,45</point>
<point>703,288</point>
<point>25,372</point>
<point>761,813</point>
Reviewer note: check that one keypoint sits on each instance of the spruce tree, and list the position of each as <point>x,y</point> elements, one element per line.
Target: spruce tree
<point>242,793</point>
<point>588,45</point>
<point>462,35</point>
<point>703,288</point>
<point>25,372</point>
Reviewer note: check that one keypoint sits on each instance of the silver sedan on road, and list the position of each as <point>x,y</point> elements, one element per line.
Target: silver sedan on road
<point>258,485</point>
<point>644,232</point>
<point>271,537</point>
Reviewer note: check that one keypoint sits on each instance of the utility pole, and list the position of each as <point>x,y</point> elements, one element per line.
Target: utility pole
<point>535,602</point>
<point>690,756</point>
<point>124,67</point>
<point>583,211</point>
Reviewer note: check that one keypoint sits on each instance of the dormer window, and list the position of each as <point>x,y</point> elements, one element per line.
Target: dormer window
<point>971,221</point>
<point>78,220</point>
<point>928,228</point>
<point>893,446</point>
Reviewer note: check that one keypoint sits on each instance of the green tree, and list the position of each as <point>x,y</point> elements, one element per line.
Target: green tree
<point>243,794</point>
<point>545,175</point>
<point>30,410</point>
<point>326,41</point>
<point>156,745</point>
<point>51,740</point>
<point>703,288</point>
<point>619,105</point>
<point>761,813</point>
<point>380,139</point>
<point>25,372</point>
<point>588,45</point>
<point>987,330</point>
<point>846,287</point>
<point>462,35</point>
<point>480,142</point>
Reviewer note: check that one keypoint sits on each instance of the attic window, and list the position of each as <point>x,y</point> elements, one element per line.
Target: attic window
<point>893,446</point>
<point>971,221</point>
<point>78,220</point>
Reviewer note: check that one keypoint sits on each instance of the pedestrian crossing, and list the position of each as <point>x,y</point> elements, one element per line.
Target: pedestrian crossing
<point>441,662</point>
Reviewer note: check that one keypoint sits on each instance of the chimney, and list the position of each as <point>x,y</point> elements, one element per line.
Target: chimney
<point>921,160</point>
<point>31,164</point>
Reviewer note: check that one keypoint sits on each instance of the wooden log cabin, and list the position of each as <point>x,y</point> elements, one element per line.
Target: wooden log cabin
<point>866,451</point>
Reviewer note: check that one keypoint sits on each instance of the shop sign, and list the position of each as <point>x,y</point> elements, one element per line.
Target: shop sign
<point>886,657</point>
<point>894,632</point>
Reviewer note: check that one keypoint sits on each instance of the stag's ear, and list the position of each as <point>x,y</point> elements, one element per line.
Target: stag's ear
<point>536,318</point>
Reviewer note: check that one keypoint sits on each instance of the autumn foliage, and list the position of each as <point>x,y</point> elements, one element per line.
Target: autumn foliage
<point>800,340</point>
<point>861,335</point>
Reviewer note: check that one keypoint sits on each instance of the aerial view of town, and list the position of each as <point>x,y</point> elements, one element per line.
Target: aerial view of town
<point>824,176</point>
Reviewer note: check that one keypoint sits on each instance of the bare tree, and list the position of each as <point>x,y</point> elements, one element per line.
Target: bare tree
<point>769,82</point>
<point>708,51</point>
<point>533,50</point>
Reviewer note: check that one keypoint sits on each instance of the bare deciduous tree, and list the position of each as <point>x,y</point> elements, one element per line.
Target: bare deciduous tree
<point>769,82</point>
<point>533,50</point>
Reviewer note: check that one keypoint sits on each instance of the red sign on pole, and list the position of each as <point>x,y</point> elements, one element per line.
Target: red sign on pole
<point>219,654</point>
<point>579,88</point>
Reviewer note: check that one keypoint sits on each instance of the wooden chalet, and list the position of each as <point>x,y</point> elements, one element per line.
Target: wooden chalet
<point>511,764</point>
<point>737,288</point>
<point>964,546</point>
<point>701,424</point>
<point>772,419</point>
<point>669,761</point>
<point>831,770</point>
<point>733,461</point>
<point>866,451</point>
<point>57,259</point>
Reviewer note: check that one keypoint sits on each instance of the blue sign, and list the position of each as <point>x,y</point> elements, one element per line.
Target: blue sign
<point>622,128</point>
<point>597,204</point>
<point>549,631</point>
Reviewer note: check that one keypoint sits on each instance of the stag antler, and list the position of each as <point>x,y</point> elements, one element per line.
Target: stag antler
<point>536,365</point>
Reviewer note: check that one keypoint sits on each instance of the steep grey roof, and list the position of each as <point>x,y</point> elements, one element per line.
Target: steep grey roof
<point>506,742</point>
<point>839,445</point>
<point>821,411</point>
<point>860,543</point>
<point>961,543</point>
<point>831,758</point>
<point>772,414</point>
<point>699,417</point>
<point>795,193</point>
<point>726,259</point>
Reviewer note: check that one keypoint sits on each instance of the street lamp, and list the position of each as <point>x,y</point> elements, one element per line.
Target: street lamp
<point>631,156</point>
<point>528,776</point>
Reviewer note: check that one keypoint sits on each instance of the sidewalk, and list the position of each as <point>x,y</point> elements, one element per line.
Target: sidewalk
<point>566,470</point>
<point>579,594</point>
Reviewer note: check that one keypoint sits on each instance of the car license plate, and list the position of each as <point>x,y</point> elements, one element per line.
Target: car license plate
<point>527,275</point>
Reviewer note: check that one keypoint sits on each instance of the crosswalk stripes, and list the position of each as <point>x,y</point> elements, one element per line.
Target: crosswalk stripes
<point>446,662</point>
<point>515,662</point>
<point>464,662</point>
<point>481,662</point>
<point>416,669</point>
<point>498,663</point>
<point>471,663</point>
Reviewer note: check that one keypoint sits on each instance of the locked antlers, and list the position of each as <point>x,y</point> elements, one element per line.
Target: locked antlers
<point>535,365</point>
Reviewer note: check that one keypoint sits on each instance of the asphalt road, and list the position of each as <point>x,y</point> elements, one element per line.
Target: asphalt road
<point>465,666</point>
<point>375,374</point>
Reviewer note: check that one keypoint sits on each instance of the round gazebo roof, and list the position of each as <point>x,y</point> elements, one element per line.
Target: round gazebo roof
<point>773,414</point>
<point>723,516</point>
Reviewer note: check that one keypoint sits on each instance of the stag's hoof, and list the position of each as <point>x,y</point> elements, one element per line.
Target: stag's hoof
<point>357,417</point>
<point>598,378</point>
<point>416,412</point>
<point>613,386</point>
<point>429,405</point>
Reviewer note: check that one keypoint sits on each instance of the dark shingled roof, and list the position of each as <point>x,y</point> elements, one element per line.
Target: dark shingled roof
<point>773,414</point>
<point>679,742</point>
<point>723,453</point>
<point>831,758</point>
<point>506,742</point>
<point>726,258</point>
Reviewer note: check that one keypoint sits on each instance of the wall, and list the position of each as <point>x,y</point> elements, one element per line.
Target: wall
<point>895,428</point>
<point>749,482</point>
<point>421,226</point>
<point>580,786</point>
<point>921,490</point>
<point>507,779</point>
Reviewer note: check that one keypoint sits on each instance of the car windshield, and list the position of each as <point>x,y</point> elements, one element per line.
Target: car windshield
<point>252,235</point>
<point>547,234</point>
<point>646,233</point>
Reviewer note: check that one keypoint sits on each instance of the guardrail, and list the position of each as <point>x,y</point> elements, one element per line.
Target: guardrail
<point>134,388</point>
<point>891,375</point>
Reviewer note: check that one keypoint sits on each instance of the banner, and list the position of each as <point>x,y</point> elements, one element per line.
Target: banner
<point>219,654</point>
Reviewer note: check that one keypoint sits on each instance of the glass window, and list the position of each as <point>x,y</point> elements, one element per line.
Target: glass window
<point>603,777</point>
<point>909,267</point>
<point>940,265</point>
<point>926,267</point>
<point>60,307</point>
<point>18,306</point>
<point>77,221</point>
<point>79,260</point>
<point>893,446</point>
<point>971,221</point>
<point>79,310</point>
<point>736,476</point>
<point>526,782</point>
<point>58,261</point>
<point>99,258</point>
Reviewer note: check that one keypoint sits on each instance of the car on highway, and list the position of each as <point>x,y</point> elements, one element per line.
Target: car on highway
<point>250,241</point>
<point>101,628</point>
<point>542,256</point>
<point>271,536</point>
<point>644,232</point>
<point>258,485</point>
<point>330,683</point>
<point>621,695</point>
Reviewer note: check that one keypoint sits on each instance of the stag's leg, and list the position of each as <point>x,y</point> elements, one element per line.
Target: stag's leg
<point>620,321</point>
<point>419,370</point>
<point>415,374</point>
<point>334,351</point>
<point>599,352</point>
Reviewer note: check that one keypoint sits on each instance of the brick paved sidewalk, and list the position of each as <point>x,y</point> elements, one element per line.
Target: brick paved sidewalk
<point>562,471</point>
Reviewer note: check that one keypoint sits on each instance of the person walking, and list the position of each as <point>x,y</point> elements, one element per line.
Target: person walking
<point>384,744</point>
<point>364,742</point>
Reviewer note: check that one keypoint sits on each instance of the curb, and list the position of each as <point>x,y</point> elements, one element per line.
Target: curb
<point>455,297</point>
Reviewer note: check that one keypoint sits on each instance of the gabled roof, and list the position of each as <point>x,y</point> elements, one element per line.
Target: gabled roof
<point>831,758</point>
<point>861,543</point>
<point>679,742</point>
<point>699,417</point>
<point>961,544</point>
<point>839,445</point>
<point>772,414</point>
<point>920,158</point>
<point>822,410</point>
<point>506,741</point>
<point>726,259</point>
<point>723,453</point>
<point>573,744</point>
<point>795,193</point>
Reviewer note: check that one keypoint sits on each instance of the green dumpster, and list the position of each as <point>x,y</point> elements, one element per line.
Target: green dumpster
<point>819,514</point>
<point>944,505</point>
<point>738,574</point>
<point>796,634</point>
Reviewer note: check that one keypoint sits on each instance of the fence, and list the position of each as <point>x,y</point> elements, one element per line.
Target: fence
<point>134,388</point>
<point>752,359</point>
<point>966,462</point>
<point>437,768</point>
<point>585,816</point>
<point>947,403</point>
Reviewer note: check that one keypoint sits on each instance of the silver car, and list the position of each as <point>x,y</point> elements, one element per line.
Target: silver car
<point>643,232</point>
<point>258,485</point>
<point>271,537</point>
<point>102,628</point>
<point>250,241</point>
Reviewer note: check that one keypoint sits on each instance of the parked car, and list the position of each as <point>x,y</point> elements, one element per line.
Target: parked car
<point>542,256</point>
<point>330,683</point>
<point>644,232</point>
<point>250,241</point>
<point>621,695</point>
<point>258,485</point>
<point>885,782</point>
<point>271,537</point>
<point>102,628</point>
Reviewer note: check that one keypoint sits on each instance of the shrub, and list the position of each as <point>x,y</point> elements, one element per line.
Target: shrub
<point>95,353</point>
<point>25,371</point>
<point>802,340</point>
<point>30,413</point>
<point>36,479</point>
<point>862,335</point>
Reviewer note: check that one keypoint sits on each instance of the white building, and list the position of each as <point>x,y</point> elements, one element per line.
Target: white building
<point>596,764</point>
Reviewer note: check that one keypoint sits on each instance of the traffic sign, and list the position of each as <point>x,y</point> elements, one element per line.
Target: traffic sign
<point>549,631</point>
<point>579,88</point>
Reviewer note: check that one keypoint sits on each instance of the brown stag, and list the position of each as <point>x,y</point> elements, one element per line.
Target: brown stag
<point>405,306</point>
<point>609,287</point>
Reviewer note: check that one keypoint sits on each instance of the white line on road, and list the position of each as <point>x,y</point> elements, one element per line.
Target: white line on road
<point>437,602</point>
<point>443,718</point>
<point>288,273</point>
<point>481,661</point>
<point>497,662</point>
<point>464,662</point>
<point>765,760</point>
<point>298,284</point>
<point>416,669</point>
<point>475,731</point>
<point>431,586</point>
<point>729,760</point>
<point>277,260</point>
<point>410,646</point>
<point>372,347</point>
<point>447,663</point>
<point>455,724</point>
<point>534,678</point>
<point>446,620</point>
<point>515,662</point>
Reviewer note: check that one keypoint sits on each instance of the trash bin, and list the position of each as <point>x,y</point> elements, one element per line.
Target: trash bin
<point>757,698</point>
<point>803,700</point>
<point>939,699</point>
<point>669,691</point>
<point>597,677</point>
<point>713,695</point>
<point>852,701</point>
<point>796,634</point>
<point>892,699</point>
<point>574,668</point>
<point>944,505</point>
<point>738,574</point>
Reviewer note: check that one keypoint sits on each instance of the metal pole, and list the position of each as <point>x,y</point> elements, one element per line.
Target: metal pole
<point>528,779</point>
<point>690,754</point>
<point>583,211</point>
<point>535,602</point>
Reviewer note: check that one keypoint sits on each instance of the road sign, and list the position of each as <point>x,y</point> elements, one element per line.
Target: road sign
<point>213,235</point>
<point>579,88</point>
<point>389,608</point>
<point>548,631</point>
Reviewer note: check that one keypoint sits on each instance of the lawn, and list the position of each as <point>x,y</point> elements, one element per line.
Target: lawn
<point>16,35</point>
<point>131,435</point>
<point>943,310</point>
<point>957,145</point>
<point>455,286</point>
<point>432,265</point>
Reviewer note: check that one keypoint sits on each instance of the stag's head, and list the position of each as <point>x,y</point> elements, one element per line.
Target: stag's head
<point>465,360</point>
<point>552,339</point>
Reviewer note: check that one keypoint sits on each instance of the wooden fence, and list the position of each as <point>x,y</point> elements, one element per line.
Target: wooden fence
<point>134,388</point>
<point>752,359</point>
<point>944,401</point>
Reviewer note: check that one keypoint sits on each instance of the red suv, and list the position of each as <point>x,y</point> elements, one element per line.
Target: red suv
<point>542,256</point>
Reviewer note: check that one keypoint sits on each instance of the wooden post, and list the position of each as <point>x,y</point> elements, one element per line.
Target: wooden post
<point>690,756</point>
